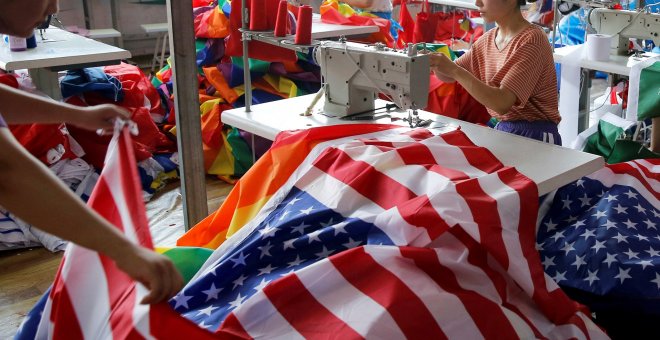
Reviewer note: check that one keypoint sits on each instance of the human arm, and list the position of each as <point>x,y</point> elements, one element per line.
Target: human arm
<point>31,192</point>
<point>19,107</point>
<point>498,99</point>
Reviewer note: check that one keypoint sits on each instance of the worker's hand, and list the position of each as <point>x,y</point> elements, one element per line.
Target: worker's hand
<point>100,117</point>
<point>153,270</point>
<point>442,67</point>
<point>440,63</point>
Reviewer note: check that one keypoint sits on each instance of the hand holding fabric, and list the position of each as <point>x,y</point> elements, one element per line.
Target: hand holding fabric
<point>153,270</point>
<point>442,67</point>
<point>99,117</point>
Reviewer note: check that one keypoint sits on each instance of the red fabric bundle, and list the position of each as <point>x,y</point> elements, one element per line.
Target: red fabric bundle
<point>407,23</point>
<point>211,24</point>
<point>148,141</point>
<point>136,87</point>
<point>452,100</point>
<point>449,27</point>
<point>330,15</point>
<point>425,25</point>
<point>40,139</point>
<point>256,49</point>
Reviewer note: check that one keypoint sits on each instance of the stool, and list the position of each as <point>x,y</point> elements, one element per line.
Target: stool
<point>162,43</point>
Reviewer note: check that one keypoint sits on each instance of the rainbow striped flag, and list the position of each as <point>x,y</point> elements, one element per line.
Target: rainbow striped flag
<point>273,169</point>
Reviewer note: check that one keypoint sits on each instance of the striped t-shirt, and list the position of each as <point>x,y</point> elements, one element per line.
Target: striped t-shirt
<point>524,66</point>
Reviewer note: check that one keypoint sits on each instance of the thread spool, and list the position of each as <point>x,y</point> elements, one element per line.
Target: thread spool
<point>17,44</point>
<point>304,29</point>
<point>598,47</point>
<point>282,19</point>
<point>258,20</point>
<point>31,42</point>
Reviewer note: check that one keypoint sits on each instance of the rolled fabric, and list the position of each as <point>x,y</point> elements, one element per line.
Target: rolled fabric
<point>282,19</point>
<point>304,31</point>
<point>258,20</point>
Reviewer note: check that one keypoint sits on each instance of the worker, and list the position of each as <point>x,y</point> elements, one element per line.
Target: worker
<point>31,191</point>
<point>510,70</point>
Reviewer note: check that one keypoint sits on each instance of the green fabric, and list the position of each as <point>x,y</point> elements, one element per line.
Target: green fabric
<point>200,44</point>
<point>602,142</point>
<point>256,65</point>
<point>649,92</point>
<point>436,48</point>
<point>241,152</point>
<point>304,56</point>
<point>188,260</point>
<point>627,150</point>
<point>605,143</point>
<point>156,82</point>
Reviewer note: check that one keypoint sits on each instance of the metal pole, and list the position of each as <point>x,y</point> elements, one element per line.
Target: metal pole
<point>245,38</point>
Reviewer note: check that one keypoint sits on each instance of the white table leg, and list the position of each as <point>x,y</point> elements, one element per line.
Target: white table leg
<point>46,81</point>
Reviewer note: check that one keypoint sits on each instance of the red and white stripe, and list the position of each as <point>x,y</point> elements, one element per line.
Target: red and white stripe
<point>91,298</point>
<point>483,277</point>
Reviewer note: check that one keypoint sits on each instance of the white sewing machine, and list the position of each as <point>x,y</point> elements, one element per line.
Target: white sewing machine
<point>623,25</point>
<point>353,74</point>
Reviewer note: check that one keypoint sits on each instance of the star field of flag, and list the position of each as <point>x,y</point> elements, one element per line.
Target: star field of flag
<point>298,233</point>
<point>602,240</point>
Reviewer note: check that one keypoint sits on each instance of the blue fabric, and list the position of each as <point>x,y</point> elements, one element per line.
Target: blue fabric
<point>2,121</point>
<point>92,79</point>
<point>571,28</point>
<point>621,219</point>
<point>211,53</point>
<point>539,130</point>
<point>314,232</point>
<point>28,329</point>
<point>258,97</point>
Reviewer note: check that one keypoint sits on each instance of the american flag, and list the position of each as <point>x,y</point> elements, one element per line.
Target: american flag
<point>394,234</point>
<point>90,297</point>
<point>601,234</point>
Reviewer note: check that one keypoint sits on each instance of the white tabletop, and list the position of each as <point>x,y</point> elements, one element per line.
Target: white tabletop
<point>322,30</point>
<point>617,64</point>
<point>549,166</point>
<point>469,4</point>
<point>61,48</point>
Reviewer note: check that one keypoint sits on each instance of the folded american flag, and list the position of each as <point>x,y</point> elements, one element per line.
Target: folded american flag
<point>393,234</point>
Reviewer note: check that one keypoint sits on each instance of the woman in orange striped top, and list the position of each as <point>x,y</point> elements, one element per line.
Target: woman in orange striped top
<point>510,71</point>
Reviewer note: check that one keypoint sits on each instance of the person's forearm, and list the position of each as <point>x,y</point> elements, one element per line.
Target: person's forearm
<point>443,78</point>
<point>20,107</point>
<point>31,192</point>
<point>491,97</point>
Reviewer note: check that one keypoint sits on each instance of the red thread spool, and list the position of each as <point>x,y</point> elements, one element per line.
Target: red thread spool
<point>282,19</point>
<point>304,30</point>
<point>258,20</point>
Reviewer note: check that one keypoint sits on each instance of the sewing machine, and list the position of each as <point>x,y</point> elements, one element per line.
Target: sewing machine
<point>623,25</point>
<point>353,74</point>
